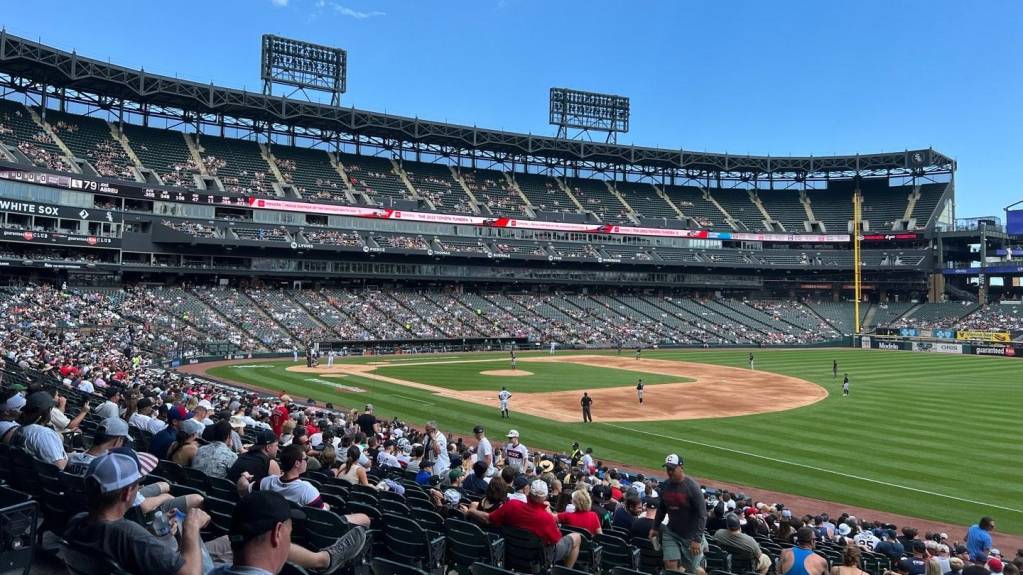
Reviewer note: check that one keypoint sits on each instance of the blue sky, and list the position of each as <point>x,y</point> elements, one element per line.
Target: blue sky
<point>742,77</point>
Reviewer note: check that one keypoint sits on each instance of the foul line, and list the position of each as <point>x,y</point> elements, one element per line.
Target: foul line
<point>411,399</point>
<point>805,466</point>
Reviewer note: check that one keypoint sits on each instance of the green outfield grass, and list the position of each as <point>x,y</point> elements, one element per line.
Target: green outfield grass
<point>546,376</point>
<point>927,435</point>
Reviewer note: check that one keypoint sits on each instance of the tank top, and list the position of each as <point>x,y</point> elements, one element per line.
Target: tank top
<point>352,476</point>
<point>799,556</point>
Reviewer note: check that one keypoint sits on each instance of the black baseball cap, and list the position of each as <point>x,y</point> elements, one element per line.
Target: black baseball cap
<point>264,437</point>
<point>520,481</point>
<point>257,513</point>
<point>478,429</point>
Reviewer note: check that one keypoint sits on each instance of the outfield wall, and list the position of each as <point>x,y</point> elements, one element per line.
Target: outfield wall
<point>908,344</point>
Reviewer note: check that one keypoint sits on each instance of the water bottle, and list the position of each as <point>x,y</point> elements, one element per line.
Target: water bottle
<point>161,527</point>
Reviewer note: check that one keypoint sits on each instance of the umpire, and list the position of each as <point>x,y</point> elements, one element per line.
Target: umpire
<point>586,401</point>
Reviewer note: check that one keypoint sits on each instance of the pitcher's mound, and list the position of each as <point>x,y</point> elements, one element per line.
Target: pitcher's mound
<point>507,372</point>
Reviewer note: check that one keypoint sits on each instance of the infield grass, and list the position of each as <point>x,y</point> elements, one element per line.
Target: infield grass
<point>926,435</point>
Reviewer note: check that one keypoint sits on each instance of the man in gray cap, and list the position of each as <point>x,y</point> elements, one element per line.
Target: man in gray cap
<point>737,543</point>
<point>42,442</point>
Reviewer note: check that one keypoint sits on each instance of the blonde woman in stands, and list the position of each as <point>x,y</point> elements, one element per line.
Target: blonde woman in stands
<point>851,563</point>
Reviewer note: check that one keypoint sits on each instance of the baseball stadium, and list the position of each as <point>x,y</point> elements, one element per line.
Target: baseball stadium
<point>288,334</point>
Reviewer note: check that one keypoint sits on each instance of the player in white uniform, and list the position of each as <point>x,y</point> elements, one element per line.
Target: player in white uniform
<point>502,397</point>
<point>515,454</point>
<point>330,358</point>
<point>513,359</point>
<point>552,347</point>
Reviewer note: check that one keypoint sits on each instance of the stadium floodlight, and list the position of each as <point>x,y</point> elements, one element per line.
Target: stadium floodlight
<point>586,111</point>
<point>303,66</point>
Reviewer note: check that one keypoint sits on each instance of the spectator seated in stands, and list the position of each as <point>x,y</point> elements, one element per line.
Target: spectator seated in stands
<point>733,540</point>
<point>534,516</point>
<point>580,514</point>
<point>34,435</point>
<point>294,489</point>
<point>112,434</point>
<point>161,442</point>
<point>259,461</point>
<point>215,458</point>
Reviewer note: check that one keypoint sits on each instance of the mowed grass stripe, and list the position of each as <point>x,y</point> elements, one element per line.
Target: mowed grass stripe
<point>910,417</point>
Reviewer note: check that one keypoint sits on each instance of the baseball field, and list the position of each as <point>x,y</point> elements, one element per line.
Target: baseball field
<point>928,436</point>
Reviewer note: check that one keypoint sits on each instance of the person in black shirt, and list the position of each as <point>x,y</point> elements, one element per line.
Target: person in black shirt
<point>586,402</point>
<point>644,523</point>
<point>917,564</point>
<point>367,422</point>
<point>259,460</point>
<point>474,484</point>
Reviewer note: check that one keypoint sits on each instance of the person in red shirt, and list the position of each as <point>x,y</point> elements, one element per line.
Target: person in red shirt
<point>534,516</point>
<point>278,416</point>
<point>582,516</point>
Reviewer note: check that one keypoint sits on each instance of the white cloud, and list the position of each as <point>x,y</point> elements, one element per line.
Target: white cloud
<point>279,3</point>
<point>346,11</point>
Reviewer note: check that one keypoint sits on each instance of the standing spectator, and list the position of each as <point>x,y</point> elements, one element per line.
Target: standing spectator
<point>215,458</point>
<point>801,560</point>
<point>516,455</point>
<point>367,422</point>
<point>435,447</point>
<point>484,450</point>
<point>682,502</point>
<point>978,539</point>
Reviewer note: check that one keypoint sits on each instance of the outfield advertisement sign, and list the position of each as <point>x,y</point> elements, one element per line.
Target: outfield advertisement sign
<point>973,335</point>
<point>937,347</point>
<point>1002,350</point>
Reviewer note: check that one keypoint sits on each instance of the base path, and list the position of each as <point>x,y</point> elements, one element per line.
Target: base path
<point>715,391</point>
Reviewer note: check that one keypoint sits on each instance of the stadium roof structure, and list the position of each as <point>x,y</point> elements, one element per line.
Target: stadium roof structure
<point>27,66</point>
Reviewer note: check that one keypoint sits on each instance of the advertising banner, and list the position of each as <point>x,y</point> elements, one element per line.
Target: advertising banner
<point>1000,350</point>
<point>865,342</point>
<point>973,335</point>
<point>889,345</point>
<point>937,347</point>
<point>59,238</point>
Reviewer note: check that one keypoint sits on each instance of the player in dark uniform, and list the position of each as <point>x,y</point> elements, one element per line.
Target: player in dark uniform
<point>639,350</point>
<point>834,368</point>
<point>751,360</point>
<point>586,402</point>
<point>639,389</point>
<point>845,385</point>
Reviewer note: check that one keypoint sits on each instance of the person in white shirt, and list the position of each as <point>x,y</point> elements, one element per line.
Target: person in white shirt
<point>484,451</point>
<point>42,442</point>
<point>110,407</point>
<point>516,455</point>
<point>85,386</point>
<point>436,446</point>
<point>387,457</point>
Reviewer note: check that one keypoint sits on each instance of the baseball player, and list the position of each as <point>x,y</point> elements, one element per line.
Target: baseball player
<point>330,358</point>
<point>639,350</point>
<point>834,368</point>
<point>294,353</point>
<point>639,390</point>
<point>502,397</point>
<point>516,455</point>
<point>751,360</point>
<point>552,347</point>
<point>586,402</point>
<point>845,386</point>
<point>513,359</point>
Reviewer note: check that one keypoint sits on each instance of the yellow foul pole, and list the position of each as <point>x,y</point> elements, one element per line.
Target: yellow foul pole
<point>857,266</point>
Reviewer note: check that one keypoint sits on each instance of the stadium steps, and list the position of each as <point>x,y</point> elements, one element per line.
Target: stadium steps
<point>914,196</point>
<point>564,187</point>
<point>271,163</point>
<point>330,301</point>
<point>665,318</point>
<point>578,314</point>
<point>412,192</point>
<point>194,152</point>
<point>728,313</point>
<point>660,192</point>
<point>491,309</point>
<point>759,318</point>
<point>729,220</point>
<point>454,305</point>
<point>682,312</point>
<point>756,201</point>
<point>400,299</point>
<point>805,200</point>
<point>315,317</point>
<point>814,311</point>
<point>605,314</point>
<point>228,320</point>
<point>473,202</point>
<point>623,311</point>
<point>868,320</point>
<point>960,293</point>
<point>49,131</point>
<point>122,139</point>
<point>340,169</point>
<point>530,208</point>
<point>629,211</point>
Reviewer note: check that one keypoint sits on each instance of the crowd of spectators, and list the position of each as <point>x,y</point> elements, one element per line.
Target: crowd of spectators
<point>333,237</point>
<point>192,228</point>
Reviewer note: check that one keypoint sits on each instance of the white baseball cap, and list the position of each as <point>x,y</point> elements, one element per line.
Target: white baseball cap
<point>206,405</point>
<point>513,433</point>
<point>15,402</point>
<point>672,460</point>
<point>538,487</point>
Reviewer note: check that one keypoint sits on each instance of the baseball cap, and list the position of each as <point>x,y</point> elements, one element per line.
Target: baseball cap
<point>237,421</point>
<point>994,552</point>
<point>513,433</point>
<point>113,471</point>
<point>145,402</point>
<point>257,513</point>
<point>39,402</point>
<point>455,473</point>
<point>17,387</point>
<point>264,436</point>
<point>191,426</point>
<point>844,529</point>
<point>519,482</point>
<point>178,413</point>
<point>786,513</point>
<point>538,487</point>
<point>672,461</point>
<point>652,502</point>
<point>478,429</point>
<point>113,427</point>
<point>732,521</point>
<point>960,549</point>
<point>452,497</point>
<point>995,565</point>
<point>205,404</point>
<point>369,407</point>
<point>15,402</point>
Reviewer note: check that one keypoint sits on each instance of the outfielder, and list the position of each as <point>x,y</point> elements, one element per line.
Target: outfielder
<point>502,397</point>
<point>639,390</point>
<point>513,359</point>
<point>845,386</point>
<point>751,360</point>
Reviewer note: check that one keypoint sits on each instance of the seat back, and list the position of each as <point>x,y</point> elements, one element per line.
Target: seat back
<point>221,488</point>
<point>468,544</point>
<point>651,560</point>
<point>409,542</point>
<point>323,528</point>
<point>194,478</point>
<point>383,566</point>
<point>524,551</point>
<point>484,569</point>
<point>87,561</point>
<point>616,552</point>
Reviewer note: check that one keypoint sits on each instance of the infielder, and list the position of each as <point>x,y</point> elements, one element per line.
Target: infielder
<point>639,390</point>
<point>751,360</point>
<point>513,359</point>
<point>330,358</point>
<point>294,353</point>
<point>834,368</point>
<point>552,347</point>
<point>845,386</point>
<point>502,397</point>
<point>639,350</point>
